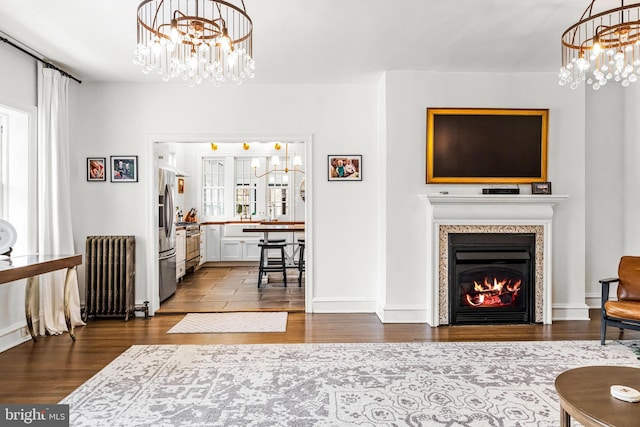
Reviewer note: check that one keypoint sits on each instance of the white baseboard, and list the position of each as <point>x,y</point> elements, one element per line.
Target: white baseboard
<point>418,314</point>
<point>343,305</point>
<point>570,312</point>
<point>14,335</point>
<point>403,314</point>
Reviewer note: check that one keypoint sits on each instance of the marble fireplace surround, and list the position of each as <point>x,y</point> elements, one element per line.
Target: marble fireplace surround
<point>487,214</point>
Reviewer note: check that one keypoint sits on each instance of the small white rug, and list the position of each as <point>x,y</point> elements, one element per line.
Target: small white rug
<point>212,323</point>
<point>488,384</point>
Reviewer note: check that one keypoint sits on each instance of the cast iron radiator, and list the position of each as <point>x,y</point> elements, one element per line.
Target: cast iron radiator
<point>110,276</point>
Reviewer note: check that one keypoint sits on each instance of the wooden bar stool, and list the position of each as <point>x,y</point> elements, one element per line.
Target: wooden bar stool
<point>301,263</point>
<point>272,264</point>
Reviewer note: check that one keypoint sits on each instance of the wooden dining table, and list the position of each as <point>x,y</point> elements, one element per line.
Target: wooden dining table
<point>30,266</point>
<point>265,229</point>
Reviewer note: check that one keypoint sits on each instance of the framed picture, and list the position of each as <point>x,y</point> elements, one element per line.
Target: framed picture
<point>180,185</point>
<point>345,167</point>
<point>96,170</point>
<point>540,188</point>
<point>486,145</point>
<point>124,168</point>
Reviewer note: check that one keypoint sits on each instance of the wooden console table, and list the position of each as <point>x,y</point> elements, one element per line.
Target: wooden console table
<point>584,394</point>
<point>30,266</point>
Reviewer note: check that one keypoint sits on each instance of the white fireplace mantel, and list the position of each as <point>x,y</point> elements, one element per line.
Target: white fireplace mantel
<point>486,213</point>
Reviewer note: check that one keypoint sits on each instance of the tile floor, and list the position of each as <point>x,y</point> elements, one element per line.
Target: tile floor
<point>219,289</point>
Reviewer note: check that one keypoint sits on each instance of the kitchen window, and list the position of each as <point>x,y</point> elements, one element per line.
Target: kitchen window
<point>213,187</point>
<point>278,187</point>
<point>246,189</point>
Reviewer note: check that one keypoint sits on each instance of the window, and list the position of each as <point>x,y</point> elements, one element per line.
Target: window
<point>212,187</point>
<point>278,188</point>
<point>246,190</point>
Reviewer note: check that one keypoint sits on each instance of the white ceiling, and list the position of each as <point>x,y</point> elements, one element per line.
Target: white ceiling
<point>317,41</point>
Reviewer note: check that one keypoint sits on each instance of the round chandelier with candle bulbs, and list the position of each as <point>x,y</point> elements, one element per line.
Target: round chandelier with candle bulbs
<point>195,41</point>
<point>602,47</point>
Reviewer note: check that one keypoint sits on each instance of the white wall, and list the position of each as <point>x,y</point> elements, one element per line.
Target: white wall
<point>604,179</point>
<point>631,171</point>
<point>408,95</point>
<point>117,119</point>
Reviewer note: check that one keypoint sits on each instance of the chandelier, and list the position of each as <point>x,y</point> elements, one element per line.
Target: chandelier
<point>275,163</point>
<point>602,47</point>
<point>195,40</point>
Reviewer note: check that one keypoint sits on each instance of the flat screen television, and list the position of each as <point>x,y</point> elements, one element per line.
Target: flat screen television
<point>486,145</point>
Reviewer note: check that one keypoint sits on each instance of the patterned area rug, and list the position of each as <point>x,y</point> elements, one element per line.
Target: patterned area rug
<point>391,384</point>
<point>203,323</point>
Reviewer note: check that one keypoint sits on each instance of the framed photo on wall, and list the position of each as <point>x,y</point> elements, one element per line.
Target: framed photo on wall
<point>124,168</point>
<point>96,169</point>
<point>345,167</point>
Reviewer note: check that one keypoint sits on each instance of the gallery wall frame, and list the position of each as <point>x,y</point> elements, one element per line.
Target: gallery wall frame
<point>344,167</point>
<point>486,145</point>
<point>124,168</point>
<point>96,169</point>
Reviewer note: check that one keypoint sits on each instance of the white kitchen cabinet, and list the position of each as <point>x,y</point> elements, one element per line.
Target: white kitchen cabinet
<point>238,245</point>
<point>181,253</point>
<point>236,249</point>
<point>212,237</point>
<point>203,248</point>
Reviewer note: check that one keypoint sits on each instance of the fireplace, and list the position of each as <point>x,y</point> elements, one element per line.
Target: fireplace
<point>491,278</point>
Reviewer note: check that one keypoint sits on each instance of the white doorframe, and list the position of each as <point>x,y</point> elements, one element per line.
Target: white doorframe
<point>152,204</point>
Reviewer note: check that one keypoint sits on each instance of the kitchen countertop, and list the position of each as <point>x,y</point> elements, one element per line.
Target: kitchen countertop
<point>253,222</point>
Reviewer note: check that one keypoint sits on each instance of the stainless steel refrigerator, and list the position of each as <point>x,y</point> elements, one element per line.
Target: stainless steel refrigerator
<point>166,234</point>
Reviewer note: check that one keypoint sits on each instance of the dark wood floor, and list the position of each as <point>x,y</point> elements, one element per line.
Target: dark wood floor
<point>219,289</point>
<point>48,370</point>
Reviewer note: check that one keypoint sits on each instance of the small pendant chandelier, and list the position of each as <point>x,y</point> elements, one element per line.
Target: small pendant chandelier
<point>195,40</point>
<point>602,47</point>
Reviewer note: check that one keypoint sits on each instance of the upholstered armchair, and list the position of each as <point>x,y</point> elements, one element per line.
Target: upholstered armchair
<point>625,312</point>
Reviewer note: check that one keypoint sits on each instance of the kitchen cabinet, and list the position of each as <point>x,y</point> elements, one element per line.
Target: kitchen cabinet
<point>235,249</point>
<point>203,248</point>
<point>181,253</point>
<point>237,245</point>
<point>212,237</point>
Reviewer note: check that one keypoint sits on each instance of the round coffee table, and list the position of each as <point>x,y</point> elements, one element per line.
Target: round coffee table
<point>585,395</point>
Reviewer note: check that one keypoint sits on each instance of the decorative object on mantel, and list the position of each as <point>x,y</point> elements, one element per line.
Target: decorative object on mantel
<point>602,47</point>
<point>486,146</point>
<point>195,40</point>
<point>540,188</point>
<point>501,190</point>
<point>345,167</point>
<point>124,168</point>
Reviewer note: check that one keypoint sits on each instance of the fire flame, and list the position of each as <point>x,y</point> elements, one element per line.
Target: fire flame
<point>489,292</point>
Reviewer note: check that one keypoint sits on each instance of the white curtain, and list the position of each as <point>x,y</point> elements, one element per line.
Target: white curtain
<point>54,199</point>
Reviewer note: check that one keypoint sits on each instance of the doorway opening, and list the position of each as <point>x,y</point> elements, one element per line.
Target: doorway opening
<point>216,283</point>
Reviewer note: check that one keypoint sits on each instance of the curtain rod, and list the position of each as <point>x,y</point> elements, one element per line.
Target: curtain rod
<point>37,58</point>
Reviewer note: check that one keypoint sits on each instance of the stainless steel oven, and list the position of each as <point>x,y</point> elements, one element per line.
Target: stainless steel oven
<point>193,246</point>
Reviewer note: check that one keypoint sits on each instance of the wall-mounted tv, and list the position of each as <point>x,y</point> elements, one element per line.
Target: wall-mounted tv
<point>486,145</point>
